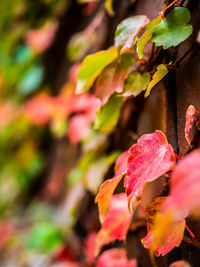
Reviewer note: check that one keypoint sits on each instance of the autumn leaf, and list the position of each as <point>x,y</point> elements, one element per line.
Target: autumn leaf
<point>190,118</point>
<point>128,30</point>
<point>158,75</point>
<point>173,29</point>
<point>112,78</point>
<point>167,235</point>
<point>109,7</point>
<point>108,115</point>
<point>108,187</point>
<point>181,263</point>
<point>135,83</point>
<point>116,223</point>
<point>185,189</point>
<point>116,257</point>
<point>92,66</point>
<point>150,158</point>
<point>143,40</point>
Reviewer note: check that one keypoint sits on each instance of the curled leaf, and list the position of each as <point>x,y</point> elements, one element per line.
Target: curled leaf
<point>150,158</point>
<point>190,118</point>
<point>116,224</point>
<point>92,66</point>
<point>128,30</point>
<point>143,40</point>
<point>173,29</point>
<point>158,75</point>
<point>109,7</point>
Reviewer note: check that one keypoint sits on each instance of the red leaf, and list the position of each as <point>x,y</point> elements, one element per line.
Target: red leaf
<point>116,223</point>
<point>115,257</point>
<point>108,187</point>
<point>190,118</point>
<point>150,158</point>
<point>89,245</point>
<point>168,233</point>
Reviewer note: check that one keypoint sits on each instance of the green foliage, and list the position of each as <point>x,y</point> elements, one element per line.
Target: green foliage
<point>136,83</point>
<point>44,237</point>
<point>173,29</point>
<point>108,115</point>
<point>91,67</point>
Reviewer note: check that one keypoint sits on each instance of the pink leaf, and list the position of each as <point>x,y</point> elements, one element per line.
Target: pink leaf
<point>190,118</point>
<point>108,187</point>
<point>115,257</point>
<point>116,223</point>
<point>150,158</point>
<point>180,264</point>
<point>89,245</point>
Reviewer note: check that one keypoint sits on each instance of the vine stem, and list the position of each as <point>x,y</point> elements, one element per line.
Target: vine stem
<point>190,231</point>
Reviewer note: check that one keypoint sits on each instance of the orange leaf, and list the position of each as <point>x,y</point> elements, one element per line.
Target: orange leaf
<point>116,224</point>
<point>108,187</point>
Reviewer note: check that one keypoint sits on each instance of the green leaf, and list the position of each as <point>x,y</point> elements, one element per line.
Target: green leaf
<point>128,30</point>
<point>143,40</point>
<point>173,29</point>
<point>44,237</point>
<point>109,7</point>
<point>108,115</point>
<point>136,83</point>
<point>31,80</point>
<point>158,75</point>
<point>92,66</point>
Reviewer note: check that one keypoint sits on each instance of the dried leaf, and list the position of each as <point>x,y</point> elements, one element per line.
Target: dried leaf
<point>173,29</point>
<point>128,30</point>
<point>158,75</point>
<point>92,66</point>
<point>150,158</point>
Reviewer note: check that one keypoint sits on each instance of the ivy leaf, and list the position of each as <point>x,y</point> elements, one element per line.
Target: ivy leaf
<point>158,75</point>
<point>173,29</point>
<point>116,224</point>
<point>136,83</point>
<point>44,237</point>
<point>109,7</point>
<point>112,78</point>
<point>108,115</point>
<point>190,118</point>
<point>172,232</point>
<point>150,158</point>
<point>92,66</point>
<point>116,257</point>
<point>180,264</point>
<point>128,30</point>
<point>143,40</point>
<point>108,187</point>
